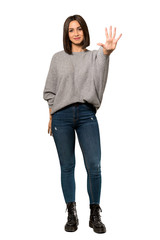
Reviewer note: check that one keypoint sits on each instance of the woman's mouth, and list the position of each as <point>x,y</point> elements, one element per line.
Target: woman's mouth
<point>77,38</point>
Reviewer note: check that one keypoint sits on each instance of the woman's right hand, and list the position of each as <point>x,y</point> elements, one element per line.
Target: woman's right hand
<point>50,126</point>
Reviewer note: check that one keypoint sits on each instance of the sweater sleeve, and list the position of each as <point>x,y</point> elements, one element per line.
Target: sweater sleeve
<point>100,71</point>
<point>49,91</point>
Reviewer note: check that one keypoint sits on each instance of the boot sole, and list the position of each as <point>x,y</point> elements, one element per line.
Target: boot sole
<point>96,230</point>
<point>71,228</point>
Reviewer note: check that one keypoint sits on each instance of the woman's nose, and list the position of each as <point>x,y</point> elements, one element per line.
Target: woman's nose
<point>76,32</point>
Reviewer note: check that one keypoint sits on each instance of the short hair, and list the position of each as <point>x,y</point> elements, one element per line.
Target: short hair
<point>66,41</point>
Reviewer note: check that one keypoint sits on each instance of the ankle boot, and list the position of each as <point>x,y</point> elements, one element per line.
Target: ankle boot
<point>72,220</point>
<point>95,219</point>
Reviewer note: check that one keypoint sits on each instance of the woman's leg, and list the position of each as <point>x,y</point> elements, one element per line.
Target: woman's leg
<point>89,140</point>
<point>64,137</point>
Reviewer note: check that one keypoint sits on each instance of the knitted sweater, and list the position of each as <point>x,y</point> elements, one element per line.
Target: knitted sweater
<point>79,77</point>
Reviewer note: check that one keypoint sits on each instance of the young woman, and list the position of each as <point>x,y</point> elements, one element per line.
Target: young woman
<point>74,89</point>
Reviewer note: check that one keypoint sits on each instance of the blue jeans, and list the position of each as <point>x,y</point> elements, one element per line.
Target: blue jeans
<point>79,117</point>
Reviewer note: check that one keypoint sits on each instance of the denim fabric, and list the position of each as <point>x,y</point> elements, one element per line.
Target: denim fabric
<point>80,118</point>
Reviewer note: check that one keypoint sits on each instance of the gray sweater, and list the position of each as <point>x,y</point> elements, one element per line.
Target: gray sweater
<point>80,77</point>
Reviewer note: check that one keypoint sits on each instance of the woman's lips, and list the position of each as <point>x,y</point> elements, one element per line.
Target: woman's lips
<point>77,38</point>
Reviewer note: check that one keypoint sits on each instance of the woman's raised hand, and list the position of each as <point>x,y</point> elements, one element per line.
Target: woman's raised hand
<point>111,42</point>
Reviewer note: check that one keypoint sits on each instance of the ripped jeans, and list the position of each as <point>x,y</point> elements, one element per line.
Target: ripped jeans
<point>79,117</point>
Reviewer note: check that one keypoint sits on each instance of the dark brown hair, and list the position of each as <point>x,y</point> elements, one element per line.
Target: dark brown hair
<point>66,41</point>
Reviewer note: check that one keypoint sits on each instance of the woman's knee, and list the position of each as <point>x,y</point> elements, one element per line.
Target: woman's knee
<point>68,168</point>
<point>94,169</point>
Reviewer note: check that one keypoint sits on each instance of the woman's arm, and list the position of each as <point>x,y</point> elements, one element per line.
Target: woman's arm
<point>51,82</point>
<point>101,63</point>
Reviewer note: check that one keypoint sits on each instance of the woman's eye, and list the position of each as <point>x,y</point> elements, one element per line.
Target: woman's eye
<point>78,29</point>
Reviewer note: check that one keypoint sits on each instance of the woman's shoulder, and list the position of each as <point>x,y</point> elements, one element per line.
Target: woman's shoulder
<point>57,55</point>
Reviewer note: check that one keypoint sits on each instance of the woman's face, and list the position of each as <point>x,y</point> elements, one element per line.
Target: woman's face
<point>75,32</point>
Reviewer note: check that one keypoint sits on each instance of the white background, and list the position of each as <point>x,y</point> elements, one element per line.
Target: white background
<point>31,200</point>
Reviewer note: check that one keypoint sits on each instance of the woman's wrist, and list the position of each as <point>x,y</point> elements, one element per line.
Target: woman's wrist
<point>50,115</point>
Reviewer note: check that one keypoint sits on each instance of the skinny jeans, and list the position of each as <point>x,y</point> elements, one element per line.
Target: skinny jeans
<point>78,118</point>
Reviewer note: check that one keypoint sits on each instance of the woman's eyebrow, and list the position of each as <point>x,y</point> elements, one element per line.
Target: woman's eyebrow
<point>73,28</point>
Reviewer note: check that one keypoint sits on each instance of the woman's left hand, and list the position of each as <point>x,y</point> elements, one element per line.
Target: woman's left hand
<point>111,42</point>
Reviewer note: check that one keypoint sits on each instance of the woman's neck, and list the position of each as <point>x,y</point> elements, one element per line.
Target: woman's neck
<point>78,49</point>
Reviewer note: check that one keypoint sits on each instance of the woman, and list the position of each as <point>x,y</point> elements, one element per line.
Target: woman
<point>74,89</point>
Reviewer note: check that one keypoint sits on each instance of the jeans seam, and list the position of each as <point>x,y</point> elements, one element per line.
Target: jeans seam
<point>89,177</point>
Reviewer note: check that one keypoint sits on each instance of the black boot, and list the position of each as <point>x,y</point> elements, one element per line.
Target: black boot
<point>95,219</point>
<point>72,220</point>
